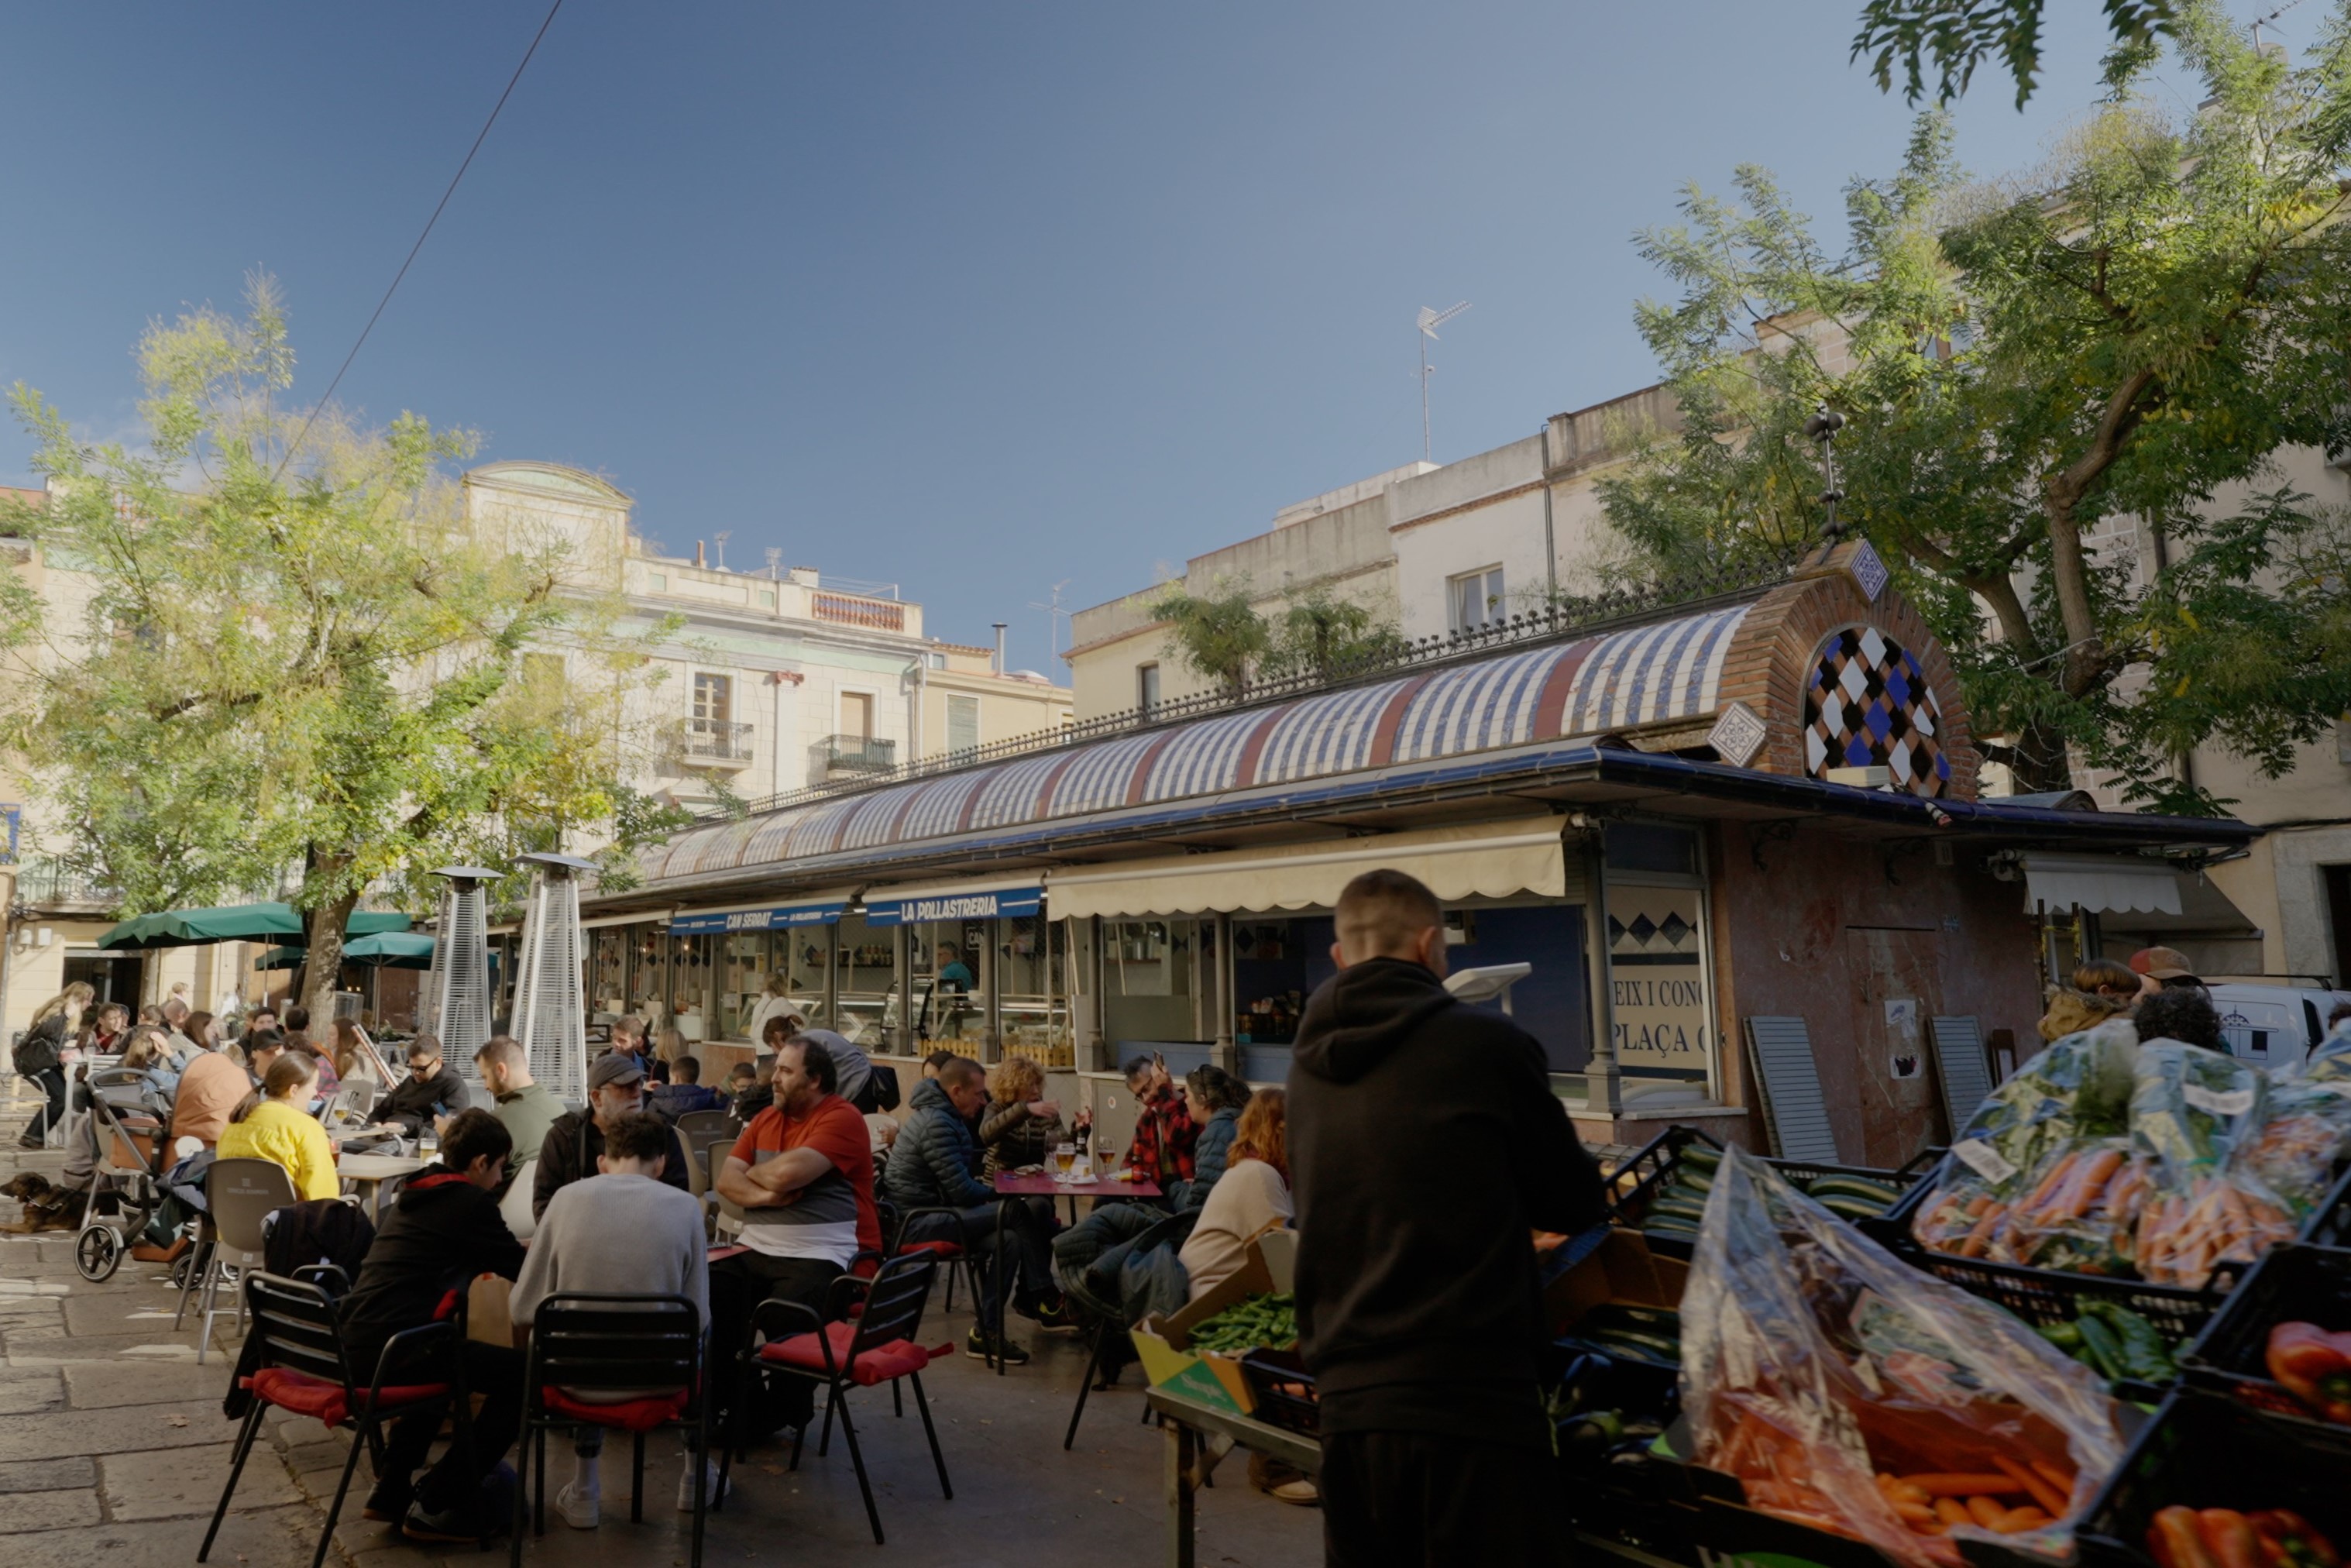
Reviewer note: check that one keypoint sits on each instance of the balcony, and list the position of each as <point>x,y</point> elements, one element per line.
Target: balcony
<point>46,885</point>
<point>840,757</point>
<point>856,609</point>
<point>715,743</point>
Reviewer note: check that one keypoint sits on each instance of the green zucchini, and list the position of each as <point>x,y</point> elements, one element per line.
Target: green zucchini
<point>1679,1207</point>
<point>1851,1208</point>
<point>1856,1188</point>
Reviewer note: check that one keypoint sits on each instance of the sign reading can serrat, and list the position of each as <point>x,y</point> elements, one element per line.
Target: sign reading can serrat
<point>1657,980</point>
<point>774,919</point>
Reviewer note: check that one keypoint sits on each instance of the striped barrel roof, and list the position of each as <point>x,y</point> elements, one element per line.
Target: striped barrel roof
<point>1669,670</point>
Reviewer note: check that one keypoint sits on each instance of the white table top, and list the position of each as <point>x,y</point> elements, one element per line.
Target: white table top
<point>377,1167</point>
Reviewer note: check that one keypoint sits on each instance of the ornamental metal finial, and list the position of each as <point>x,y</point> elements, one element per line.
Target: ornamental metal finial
<point>1822,427</point>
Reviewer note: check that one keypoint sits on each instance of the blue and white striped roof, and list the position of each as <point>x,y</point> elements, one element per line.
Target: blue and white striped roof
<point>1662,672</point>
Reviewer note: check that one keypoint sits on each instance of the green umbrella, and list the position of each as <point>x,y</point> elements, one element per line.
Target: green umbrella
<point>237,923</point>
<point>282,958</point>
<point>391,949</point>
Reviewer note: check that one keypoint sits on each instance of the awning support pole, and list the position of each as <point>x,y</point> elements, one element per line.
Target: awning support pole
<point>991,974</point>
<point>905,1033</point>
<point>1605,1085</point>
<point>1227,1055</point>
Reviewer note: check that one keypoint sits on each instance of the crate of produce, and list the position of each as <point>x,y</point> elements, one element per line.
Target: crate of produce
<point>2203,1451</point>
<point>2132,1332</point>
<point>1660,1191</point>
<point>2307,1286</point>
<point>1283,1391</point>
<point>2329,1224</point>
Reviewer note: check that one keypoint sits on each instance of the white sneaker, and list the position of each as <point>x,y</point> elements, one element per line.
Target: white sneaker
<point>581,1508</point>
<point>686,1485</point>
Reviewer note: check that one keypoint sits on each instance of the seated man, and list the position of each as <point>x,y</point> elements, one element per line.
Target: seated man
<point>444,1230</point>
<point>934,1166</point>
<point>803,1173</point>
<point>616,1089</point>
<point>527,1107</point>
<point>683,1093</point>
<point>209,1091</point>
<point>428,1092</point>
<point>622,1231</point>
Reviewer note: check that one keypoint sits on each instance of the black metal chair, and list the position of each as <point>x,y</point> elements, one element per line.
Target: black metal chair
<point>953,1255</point>
<point>879,1346</point>
<point>584,1344</point>
<point>303,1367</point>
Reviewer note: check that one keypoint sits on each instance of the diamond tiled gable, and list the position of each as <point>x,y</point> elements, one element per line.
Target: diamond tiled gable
<point>1868,571</point>
<point>1867,705</point>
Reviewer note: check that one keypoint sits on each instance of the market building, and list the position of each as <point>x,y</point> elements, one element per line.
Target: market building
<point>1684,816</point>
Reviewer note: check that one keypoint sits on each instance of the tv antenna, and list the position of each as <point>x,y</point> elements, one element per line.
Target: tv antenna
<point>775,560</point>
<point>1430,320</point>
<point>720,539</point>
<point>1053,616</point>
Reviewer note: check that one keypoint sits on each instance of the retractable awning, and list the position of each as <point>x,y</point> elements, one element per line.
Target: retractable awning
<point>2100,884</point>
<point>1492,860</point>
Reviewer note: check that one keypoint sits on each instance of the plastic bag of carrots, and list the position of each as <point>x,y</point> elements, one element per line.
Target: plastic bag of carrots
<point>1850,1392</point>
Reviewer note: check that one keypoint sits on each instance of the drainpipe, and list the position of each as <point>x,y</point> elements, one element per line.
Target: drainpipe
<point>999,626</point>
<point>918,700</point>
<point>1551,547</point>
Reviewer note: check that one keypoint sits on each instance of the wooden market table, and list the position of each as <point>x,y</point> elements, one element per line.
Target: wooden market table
<point>1186,1423</point>
<point>1011,1189</point>
<point>369,1172</point>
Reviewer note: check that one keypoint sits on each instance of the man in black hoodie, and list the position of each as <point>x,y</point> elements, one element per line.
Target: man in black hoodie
<point>1426,1147</point>
<point>443,1231</point>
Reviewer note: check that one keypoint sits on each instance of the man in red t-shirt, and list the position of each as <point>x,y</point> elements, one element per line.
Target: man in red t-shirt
<point>803,1175</point>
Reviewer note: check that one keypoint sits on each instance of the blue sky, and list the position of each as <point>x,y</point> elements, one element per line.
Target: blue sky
<point>976,299</point>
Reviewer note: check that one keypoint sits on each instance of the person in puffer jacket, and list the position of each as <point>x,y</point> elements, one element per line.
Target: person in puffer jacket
<point>1215,1099</point>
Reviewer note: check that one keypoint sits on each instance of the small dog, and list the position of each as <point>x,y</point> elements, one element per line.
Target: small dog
<point>48,1206</point>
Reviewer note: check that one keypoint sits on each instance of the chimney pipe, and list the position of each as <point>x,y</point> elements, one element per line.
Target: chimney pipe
<point>1000,625</point>
<point>698,559</point>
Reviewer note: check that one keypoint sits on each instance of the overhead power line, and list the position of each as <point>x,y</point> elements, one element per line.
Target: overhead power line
<point>325,397</point>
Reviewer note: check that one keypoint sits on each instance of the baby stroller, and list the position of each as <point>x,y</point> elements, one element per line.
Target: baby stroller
<point>133,1149</point>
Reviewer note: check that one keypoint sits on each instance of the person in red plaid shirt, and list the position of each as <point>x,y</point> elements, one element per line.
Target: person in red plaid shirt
<point>1164,1129</point>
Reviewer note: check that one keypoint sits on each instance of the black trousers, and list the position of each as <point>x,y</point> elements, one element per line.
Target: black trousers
<point>492,1372</point>
<point>1419,1499</point>
<point>737,1286</point>
<point>52,1081</point>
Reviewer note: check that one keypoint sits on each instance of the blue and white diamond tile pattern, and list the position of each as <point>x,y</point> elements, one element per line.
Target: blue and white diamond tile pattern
<point>1867,705</point>
<point>1868,571</point>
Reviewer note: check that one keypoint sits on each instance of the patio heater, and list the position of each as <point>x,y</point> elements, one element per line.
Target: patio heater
<point>457,987</point>
<point>551,1017</point>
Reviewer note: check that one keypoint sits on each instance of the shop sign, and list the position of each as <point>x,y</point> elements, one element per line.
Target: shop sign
<point>955,907</point>
<point>1657,977</point>
<point>779,918</point>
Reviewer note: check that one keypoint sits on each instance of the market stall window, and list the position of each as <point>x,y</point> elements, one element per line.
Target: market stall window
<point>865,983</point>
<point>648,972</point>
<point>1149,981</point>
<point>607,973</point>
<point>1033,969</point>
<point>950,964</point>
<point>743,970</point>
<point>693,987</point>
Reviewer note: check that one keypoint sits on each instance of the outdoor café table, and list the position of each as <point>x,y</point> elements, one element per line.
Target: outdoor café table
<point>369,1172</point>
<point>1187,1425</point>
<point>1011,1188</point>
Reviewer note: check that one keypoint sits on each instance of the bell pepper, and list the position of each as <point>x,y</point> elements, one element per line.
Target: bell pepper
<point>2289,1540</point>
<point>2315,1366</point>
<point>2231,1538</point>
<point>2176,1540</point>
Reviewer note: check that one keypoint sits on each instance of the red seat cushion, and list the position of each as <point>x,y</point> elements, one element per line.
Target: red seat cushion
<point>633,1416</point>
<point>942,1249</point>
<point>331,1402</point>
<point>877,1363</point>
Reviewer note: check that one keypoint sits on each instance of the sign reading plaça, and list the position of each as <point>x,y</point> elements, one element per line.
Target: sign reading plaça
<point>982,905</point>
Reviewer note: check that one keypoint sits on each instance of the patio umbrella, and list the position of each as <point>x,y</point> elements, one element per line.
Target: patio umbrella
<point>392,950</point>
<point>281,958</point>
<point>236,923</point>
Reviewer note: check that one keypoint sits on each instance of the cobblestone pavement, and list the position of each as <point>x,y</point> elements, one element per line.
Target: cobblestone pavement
<point>113,1450</point>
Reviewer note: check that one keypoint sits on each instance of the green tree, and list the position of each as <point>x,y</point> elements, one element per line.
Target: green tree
<point>1954,36</point>
<point>1317,633</point>
<point>2117,337</point>
<point>1219,635</point>
<point>298,662</point>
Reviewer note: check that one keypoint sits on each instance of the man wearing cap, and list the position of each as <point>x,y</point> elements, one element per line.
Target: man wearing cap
<point>616,1088</point>
<point>2157,967</point>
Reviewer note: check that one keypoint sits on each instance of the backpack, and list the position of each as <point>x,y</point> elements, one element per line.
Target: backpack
<point>880,1092</point>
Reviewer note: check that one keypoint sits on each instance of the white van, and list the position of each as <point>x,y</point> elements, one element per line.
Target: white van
<point>2275,1026</point>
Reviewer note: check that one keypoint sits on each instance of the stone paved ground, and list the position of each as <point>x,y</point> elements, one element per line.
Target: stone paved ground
<point>114,1449</point>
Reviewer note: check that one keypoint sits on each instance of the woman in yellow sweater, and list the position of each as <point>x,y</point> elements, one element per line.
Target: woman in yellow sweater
<point>274,1124</point>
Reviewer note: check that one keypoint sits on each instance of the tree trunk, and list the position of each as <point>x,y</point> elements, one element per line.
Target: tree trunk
<point>324,962</point>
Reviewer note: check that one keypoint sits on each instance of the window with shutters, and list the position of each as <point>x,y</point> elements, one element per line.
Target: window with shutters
<point>963,723</point>
<point>714,698</point>
<point>1475,598</point>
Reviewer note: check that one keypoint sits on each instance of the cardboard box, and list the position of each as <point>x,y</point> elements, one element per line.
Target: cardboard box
<point>1623,1269</point>
<point>1213,1379</point>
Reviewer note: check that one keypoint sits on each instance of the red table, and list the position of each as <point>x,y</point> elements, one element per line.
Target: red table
<point>1010,1189</point>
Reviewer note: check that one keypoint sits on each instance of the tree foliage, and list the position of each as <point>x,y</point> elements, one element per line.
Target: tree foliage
<point>1224,637</point>
<point>1219,635</point>
<point>297,663</point>
<point>1952,38</point>
<point>2130,335</point>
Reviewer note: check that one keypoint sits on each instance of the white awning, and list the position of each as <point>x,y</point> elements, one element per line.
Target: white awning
<point>598,921</point>
<point>2100,884</point>
<point>1492,860</point>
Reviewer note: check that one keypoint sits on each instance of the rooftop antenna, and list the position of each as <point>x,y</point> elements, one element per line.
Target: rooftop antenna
<point>775,560</point>
<point>1054,613</point>
<point>720,539</point>
<point>2269,20</point>
<point>1430,320</point>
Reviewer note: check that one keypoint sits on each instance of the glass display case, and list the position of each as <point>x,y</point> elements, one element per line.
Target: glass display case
<point>693,987</point>
<point>1032,968</point>
<point>608,972</point>
<point>746,959</point>
<point>865,988</point>
<point>648,973</point>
